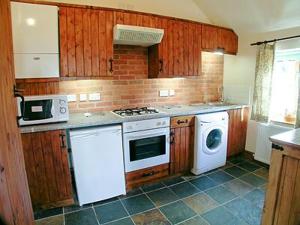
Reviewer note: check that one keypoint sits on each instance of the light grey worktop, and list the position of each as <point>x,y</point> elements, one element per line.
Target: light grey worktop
<point>289,138</point>
<point>79,120</point>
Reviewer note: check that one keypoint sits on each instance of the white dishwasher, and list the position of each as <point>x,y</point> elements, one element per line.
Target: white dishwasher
<point>98,163</point>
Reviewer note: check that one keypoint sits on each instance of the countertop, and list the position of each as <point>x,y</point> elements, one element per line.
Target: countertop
<point>79,120</point>
<point>289,138</point>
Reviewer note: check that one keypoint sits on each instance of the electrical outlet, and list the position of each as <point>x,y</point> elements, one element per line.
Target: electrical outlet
<point>164,93</point>
<point>83,97</point>
<point>71,98</point>
<point>94,97</point>
<point>171,92</point>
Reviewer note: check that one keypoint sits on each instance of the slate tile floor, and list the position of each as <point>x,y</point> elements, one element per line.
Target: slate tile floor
<point>232,195</point>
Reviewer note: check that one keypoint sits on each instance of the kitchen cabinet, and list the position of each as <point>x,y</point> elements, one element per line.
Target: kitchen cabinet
<point>217,37</point>
<point>182,144</point>
<point>47,168</point>
<point>237,130</point>
<point>179,53</point>
<point>139,177</point>
<point>86,42</point>
<point>282,204</point>
<point>35,40</point>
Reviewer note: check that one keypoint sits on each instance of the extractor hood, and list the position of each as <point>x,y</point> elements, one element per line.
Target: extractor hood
<point>136,35</point>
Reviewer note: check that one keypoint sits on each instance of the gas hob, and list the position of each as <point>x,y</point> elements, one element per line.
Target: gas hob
<point>135,111</point>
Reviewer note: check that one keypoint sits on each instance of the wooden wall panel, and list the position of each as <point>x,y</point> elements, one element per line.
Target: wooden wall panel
<point>209,37</point>
<point>15,204</point>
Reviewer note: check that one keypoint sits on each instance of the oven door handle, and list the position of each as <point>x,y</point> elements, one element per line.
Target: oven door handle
<point>136,137</point>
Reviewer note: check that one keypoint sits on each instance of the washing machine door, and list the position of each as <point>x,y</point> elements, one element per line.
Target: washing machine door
<point>213,139</point>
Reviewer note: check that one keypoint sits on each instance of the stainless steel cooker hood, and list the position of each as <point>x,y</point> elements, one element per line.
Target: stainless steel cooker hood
<point>136,35</point>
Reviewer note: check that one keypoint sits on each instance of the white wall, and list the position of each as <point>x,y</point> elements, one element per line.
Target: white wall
<point>186,9</point>
<point>239,74</point>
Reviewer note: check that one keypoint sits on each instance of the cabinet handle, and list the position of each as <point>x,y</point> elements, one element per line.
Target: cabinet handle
<point>148,174</point>
<point>62,141</point>
<point>277,147</point>
<point>111,65</point>
<point>182,121</point>
<point>36,58</point>
<point>161,63</point>
<point>172,135</point>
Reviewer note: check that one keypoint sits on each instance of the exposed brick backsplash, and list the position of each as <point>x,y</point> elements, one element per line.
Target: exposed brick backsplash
<point>131,88</point>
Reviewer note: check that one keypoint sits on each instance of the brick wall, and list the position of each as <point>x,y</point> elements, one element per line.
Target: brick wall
<point>131,88</point>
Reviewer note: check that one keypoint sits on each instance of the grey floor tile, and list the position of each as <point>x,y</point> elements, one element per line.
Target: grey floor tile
<point>249,166</point>
<point>73,208</point>
<point>110,212</point>
<point>152,187</point>
<point>125,221</point>
<point>152,217</point>
<point>162,196</point>
<point>200,203</point>
<point>105,201</point>
<point>137,204</point>
<point>82,217</point>
<point>235,171</point>
<point>184,189</point>
<point>220,177</point>
<point>238,187</point>
<point>131,193</point>
<point>237,159</point>
<point>197,220</point>
<point>221,194</point>
<point>48,212</point>
<point>243,209</point>
<point>256,197</point>
<point>53,220</point>
<point>253,180</point>
<point>203,183</point>
<point>177,212</point>
<point>173,181</point>
<point>221,216</point>
<point>262,172</point>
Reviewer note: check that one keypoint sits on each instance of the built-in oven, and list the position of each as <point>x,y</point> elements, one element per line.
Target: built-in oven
<point>146,143</point>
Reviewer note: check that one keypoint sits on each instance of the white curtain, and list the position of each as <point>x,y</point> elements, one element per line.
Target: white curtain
<point>263,82</point>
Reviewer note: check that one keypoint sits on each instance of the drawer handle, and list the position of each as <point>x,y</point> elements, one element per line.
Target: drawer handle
<point>62,140</point>
<point>148,174</point>
<point>182,121</point>
<point>36,58</point>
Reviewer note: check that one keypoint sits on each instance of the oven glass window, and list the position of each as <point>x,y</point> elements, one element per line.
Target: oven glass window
<point>147,147</point>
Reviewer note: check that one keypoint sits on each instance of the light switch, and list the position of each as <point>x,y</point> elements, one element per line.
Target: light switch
<point>164,93</point>
<point>71,98</point>
<point>94,97</point>
<point>83,97</point>
<point>171,92</point>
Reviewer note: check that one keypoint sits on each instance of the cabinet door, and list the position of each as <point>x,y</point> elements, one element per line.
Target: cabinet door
<point>47,168</point>
<point>228,40</point>
<point>237,130</point>
<point>182,144</point>
<point>209,37</point>
<point>86,42</point>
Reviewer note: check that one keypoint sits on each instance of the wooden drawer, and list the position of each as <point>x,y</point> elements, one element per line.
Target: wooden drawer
<point>182,121</point>
<point>143,176</point>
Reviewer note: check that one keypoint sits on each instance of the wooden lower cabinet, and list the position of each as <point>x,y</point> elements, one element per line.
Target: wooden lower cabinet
<point>47,168</point>
<point>282,204</point>
<point>137,178</point>
<point>182,144</point>
<point>237,130</point>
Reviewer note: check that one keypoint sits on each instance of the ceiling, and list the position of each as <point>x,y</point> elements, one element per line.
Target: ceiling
<point>252,16</point>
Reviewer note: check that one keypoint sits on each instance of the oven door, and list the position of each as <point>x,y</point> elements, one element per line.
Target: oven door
<point>148,148</point>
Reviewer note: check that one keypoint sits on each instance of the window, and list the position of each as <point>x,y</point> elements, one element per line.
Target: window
<point>284,95</point>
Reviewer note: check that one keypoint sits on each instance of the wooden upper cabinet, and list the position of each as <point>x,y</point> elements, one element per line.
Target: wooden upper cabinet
<point>217,37</point>
<point>86,42</point>
<point>179,53</point>
<point>47,168</point>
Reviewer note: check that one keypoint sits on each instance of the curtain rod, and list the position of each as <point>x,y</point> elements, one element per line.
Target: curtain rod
<point>274,40</point>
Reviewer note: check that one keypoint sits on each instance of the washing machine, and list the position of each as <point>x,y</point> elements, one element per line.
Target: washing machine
<point>210,148</point>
